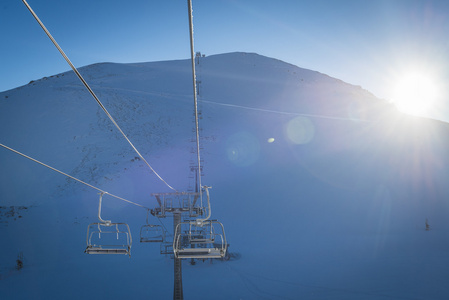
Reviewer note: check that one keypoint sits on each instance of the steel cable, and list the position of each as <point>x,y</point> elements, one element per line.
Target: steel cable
<point>70,176</point>
<point>91,91</point>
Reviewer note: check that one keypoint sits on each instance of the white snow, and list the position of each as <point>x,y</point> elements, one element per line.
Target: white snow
<point>338,215</point>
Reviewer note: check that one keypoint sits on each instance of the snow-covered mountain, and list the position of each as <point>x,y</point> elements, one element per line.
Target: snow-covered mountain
<point>324,190</point>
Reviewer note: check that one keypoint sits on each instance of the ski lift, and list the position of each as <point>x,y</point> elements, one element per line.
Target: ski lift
<point>200,238</point>
<point>105,237</point>
<point>151,233</point>
<point>203,239</point>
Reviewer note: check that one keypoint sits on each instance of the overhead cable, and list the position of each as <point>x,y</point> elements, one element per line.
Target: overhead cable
<point>91,91</point>
<point>65,174</point>
<point>286,112</point>
<point>195,101</point>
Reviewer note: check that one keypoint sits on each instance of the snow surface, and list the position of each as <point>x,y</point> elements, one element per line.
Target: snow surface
<point>323,189</point>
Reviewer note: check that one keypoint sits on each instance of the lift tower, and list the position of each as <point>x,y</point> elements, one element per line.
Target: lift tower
<point>195,235</point>
<point>177,289</point>
<point>180,205</point>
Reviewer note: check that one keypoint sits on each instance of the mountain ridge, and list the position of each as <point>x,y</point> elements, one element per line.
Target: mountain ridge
<point>324,190</point>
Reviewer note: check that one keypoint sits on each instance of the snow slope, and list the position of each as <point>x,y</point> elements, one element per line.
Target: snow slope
<point>323,189</point>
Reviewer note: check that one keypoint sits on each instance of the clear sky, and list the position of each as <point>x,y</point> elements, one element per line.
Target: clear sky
<point>374,44</point>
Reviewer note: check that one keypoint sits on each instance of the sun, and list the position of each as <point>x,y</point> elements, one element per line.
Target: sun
<point>415,94</point>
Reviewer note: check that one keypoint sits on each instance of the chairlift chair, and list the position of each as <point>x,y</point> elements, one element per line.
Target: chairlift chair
<point>200,240</point>
<point>106,237</point>
<point>150,233</point>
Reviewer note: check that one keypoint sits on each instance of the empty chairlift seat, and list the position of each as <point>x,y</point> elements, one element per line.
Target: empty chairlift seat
<point>108,238</point>
<point>152,234</point>
<point>201,240</point>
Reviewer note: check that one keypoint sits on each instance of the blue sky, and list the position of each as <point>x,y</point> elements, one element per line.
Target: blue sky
<point>368,43</point>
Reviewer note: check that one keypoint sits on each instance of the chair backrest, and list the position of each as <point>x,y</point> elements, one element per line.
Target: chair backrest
<point>194,241</point>
<point>111,238</point>
<point>152,234</point>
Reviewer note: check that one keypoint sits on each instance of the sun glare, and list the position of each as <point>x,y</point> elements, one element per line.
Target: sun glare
<point>415,94</point>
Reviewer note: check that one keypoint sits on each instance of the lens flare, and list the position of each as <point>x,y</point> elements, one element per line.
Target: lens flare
<point>300,130</point>
<point>243,149</point>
